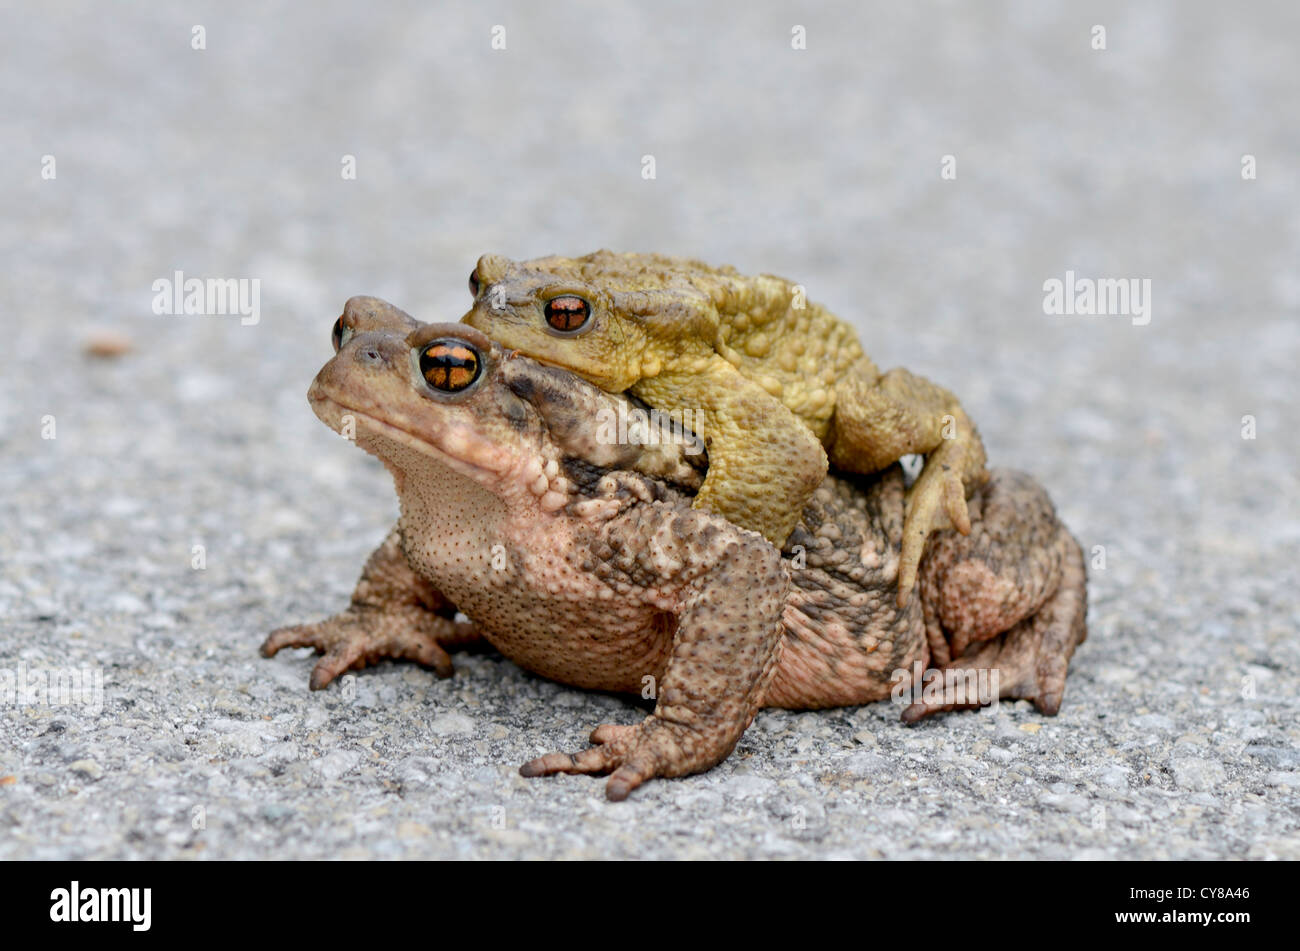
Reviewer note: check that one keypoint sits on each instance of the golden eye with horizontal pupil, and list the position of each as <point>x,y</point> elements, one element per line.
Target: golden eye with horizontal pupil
<point>450,365</point>
<point>567,314</point>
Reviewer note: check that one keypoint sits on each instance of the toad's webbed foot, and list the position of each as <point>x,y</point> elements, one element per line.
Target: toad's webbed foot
<point>394,614</point>
<point>1030,661</point>
<point>634,754</point>
<point>359,637</point>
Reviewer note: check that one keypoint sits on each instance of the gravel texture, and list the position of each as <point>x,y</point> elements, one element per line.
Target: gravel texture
<point>1178,735</point>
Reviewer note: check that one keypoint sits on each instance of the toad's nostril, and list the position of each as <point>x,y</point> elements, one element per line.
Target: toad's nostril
<point>370,355</point>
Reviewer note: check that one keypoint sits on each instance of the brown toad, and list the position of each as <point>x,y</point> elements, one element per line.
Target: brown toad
<point>584,561</point>
<point>780,381</point>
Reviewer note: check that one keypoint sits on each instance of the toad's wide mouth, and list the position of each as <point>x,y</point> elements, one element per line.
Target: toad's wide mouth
<point>454,445</point>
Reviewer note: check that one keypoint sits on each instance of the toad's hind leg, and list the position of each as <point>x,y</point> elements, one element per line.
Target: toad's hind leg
<point>1010,598</point>
<point>879,418</point>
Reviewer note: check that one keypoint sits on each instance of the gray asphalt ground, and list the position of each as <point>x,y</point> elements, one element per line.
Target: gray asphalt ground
<point>1178,735</point>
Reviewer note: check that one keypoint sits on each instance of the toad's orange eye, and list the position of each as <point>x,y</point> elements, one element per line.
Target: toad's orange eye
<point>567,314</point>
<point>450,365</point>
<point>340,334</point>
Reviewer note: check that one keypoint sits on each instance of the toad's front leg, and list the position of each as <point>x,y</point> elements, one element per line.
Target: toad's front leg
<point>726,588</point>
<point>764,462</point>
<point>394,613</point>
<point>879,418</point>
